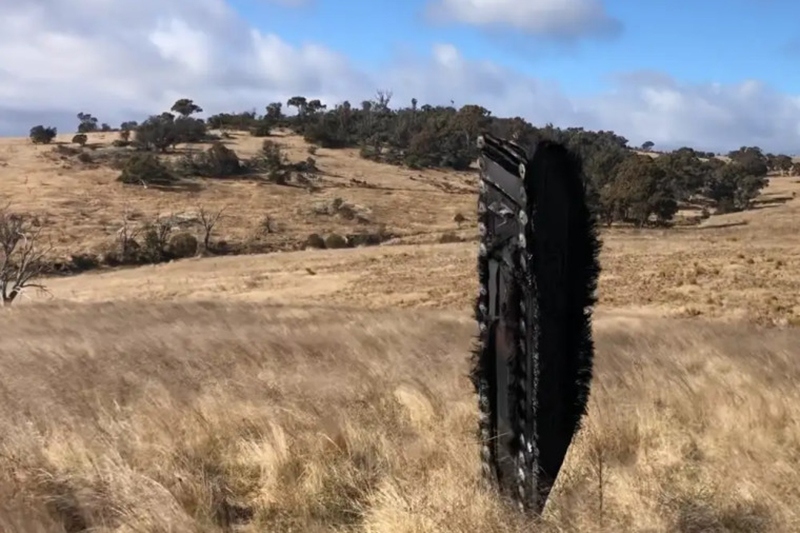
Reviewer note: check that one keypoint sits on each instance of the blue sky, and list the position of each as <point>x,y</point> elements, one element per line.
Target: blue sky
<point>723,41</point>
<point>712,74</point>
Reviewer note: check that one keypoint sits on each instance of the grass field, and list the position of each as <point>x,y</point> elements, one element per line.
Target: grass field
<point>326,390</point>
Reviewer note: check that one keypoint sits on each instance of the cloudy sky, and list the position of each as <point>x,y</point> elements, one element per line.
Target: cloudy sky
<point>714,74</point>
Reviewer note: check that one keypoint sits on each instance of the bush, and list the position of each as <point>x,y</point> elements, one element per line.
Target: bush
<point>262,128</point>
<point>145,169</point>
<point>309,165</point>
<point>182,245</point>
<point>81,139</point>
<point>272,154</point>
<point>190,130</point>
<point>449,237</point>
<point>66,151</point>
<point>218,161</point>
<point>271,161</point>
<point>41,135</point>
<point>154,249</point>
<point>83,262</point>
<point>315,240</point>
<point>158,132</point>
<point>334,241</point>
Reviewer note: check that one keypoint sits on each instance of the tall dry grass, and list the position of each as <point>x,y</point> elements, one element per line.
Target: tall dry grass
<point>210,417</point>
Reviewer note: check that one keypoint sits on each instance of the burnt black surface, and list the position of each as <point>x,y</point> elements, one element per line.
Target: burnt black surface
<point>553,272</point>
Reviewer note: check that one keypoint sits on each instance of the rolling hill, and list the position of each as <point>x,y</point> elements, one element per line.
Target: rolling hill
<point>326,390</point>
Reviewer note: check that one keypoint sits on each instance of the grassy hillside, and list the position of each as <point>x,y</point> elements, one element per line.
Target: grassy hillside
<point>326,390</point>
<point>82,205</point>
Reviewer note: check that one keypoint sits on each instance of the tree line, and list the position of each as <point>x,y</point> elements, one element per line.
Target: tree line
<point>625,184</point>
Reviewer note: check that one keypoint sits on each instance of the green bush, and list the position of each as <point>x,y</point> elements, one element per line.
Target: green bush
<point>146,169</point>
<point>41,135</point>
<point>218,161</point>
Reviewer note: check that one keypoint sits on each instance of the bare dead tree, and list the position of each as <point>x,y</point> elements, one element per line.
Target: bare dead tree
<point>21,255</point>
<point>162,227</point>
<point>126,237</point>
<point>208,220</point>
<point>156,236</point>
<point>382,99</point>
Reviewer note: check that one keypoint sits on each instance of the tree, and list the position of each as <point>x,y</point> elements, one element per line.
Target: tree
<point>779,163</point>
<point>300,103</point>
<point>315,106</point>
<point>640,190</point>
<point>232,121</point>
<point>41,135</point>
<point>189,130</point>
<point>275,111</point>
<point>87,123</point>
<point>752,159</point>
<point>648,145</point>
<point>733,187</point>
<point>685,171</point>
<point>422,135</point>
<point>21,255</point>
<point>157,132</point>
<point>186,107</point>
<point>208,221</point>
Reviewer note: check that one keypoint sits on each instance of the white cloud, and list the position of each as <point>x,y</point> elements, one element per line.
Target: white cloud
<point>562,19</point>
<point>125,60</point>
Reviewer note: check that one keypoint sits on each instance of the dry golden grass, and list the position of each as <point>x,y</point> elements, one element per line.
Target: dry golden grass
<point>745,266</point>
<point>289,393</point>
<point>200,416</point>
<point>82,207</point>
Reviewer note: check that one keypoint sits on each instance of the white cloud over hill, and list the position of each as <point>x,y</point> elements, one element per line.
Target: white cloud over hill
<point>125,60</point>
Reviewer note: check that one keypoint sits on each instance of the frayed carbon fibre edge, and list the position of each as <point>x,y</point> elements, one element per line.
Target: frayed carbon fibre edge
<point>531,494</point>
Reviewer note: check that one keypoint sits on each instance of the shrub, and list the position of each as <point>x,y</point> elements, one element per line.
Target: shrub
<point>218,161</point>
<point>182,245</point>
<point>158,132</point>
<point>272,154</point>
<point>271,161</point>
<point>83,262</point>
<point>154,247</point>
<point>41,135</point>
<point>66,151</point>
<point>261,129</point>
<point>81,139</point>
<point>315,240</point>
<point>335,241</point>
<point>145,169</point>
<point>309,165</point>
